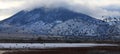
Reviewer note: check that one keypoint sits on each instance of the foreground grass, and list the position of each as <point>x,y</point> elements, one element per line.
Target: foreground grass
<point>72,50</point>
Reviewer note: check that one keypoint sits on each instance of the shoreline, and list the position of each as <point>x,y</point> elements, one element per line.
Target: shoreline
<point>70,50</point>
<point>51,45</point>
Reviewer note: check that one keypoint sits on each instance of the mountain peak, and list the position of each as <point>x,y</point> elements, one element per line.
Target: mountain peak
<point>47,15</point>
<point>55,21</point>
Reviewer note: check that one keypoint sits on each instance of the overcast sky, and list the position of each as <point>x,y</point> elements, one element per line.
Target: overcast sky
<point>94,8</point>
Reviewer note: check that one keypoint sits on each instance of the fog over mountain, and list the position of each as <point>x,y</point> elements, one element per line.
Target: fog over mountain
<point>62,17</point>
<point>93,8</point>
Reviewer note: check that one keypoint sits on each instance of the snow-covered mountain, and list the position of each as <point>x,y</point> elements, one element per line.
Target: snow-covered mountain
<point>114,23</point>
<point>54,21</point>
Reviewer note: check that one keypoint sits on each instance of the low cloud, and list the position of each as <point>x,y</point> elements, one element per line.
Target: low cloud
<point>93,8</point>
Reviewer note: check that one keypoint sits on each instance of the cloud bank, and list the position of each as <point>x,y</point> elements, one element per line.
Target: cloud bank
<point>94,8</point>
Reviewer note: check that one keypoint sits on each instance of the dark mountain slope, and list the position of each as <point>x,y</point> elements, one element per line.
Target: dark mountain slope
<point>54,21</point>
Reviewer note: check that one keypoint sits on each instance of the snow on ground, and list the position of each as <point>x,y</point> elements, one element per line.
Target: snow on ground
<point>49,45</point>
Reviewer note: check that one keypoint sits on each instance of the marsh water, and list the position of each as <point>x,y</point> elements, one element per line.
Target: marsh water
<point>59,48</point>
<point>49,45</point>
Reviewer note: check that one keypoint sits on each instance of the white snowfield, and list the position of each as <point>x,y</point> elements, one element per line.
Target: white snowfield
<point>48,45</point>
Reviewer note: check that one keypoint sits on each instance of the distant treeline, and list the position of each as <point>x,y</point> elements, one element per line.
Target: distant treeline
<point>65,39</point>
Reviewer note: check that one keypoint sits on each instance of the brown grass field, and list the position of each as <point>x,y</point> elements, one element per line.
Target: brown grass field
<point>75,50</point>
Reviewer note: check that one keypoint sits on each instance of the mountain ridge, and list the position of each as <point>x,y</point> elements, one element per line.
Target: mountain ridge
<point>57,21</point>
